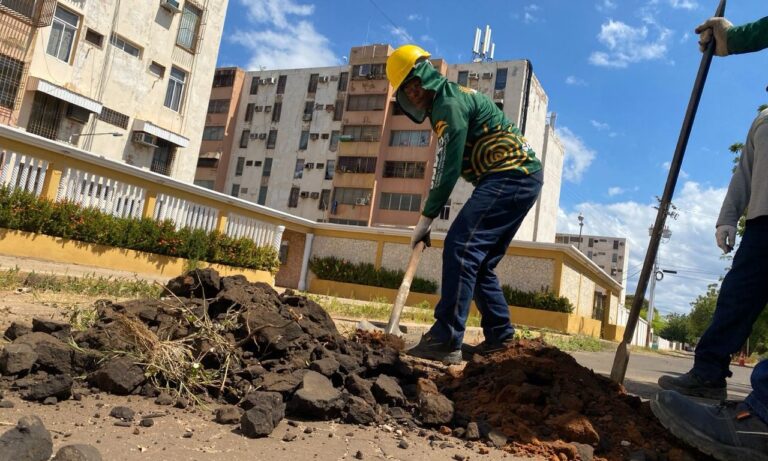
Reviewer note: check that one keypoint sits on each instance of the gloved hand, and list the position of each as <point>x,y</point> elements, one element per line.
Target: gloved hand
<point>421,231</point>
<point>717,27</point>
<point>726,237</point>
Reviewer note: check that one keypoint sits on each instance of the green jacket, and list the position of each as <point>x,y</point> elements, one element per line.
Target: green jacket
<point>474,137</point>
<point>748,37</point>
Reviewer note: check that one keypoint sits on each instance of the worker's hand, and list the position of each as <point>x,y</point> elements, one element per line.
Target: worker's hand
<point>421,231</point>
<point>726,237</point>
<point>717,27</point>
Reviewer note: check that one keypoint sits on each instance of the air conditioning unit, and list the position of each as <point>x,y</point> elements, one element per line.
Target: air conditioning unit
<point>144,138</point>
<point>474,75</point>
<point>268,81</point>
<point>325,136</point>
<point>315,195</point>
<point>319,166</point>
<point>258,108</point>
<point>361,201</point>
<point>334,78</point>
<point>318,107</point>
<point>171,5</point>
<point>306,117</point>
<point>78,114</point>
<point>487,75</point>
<point>257,163</point>
<point>309,166</point>
<point>323,79</point>
<point>304,194</point>
<point>262,135</point>
<point>254,135</point>
<point>314,136</point>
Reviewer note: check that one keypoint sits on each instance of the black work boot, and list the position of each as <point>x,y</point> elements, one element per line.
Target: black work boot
<point>691,384</point>
<point>488,347</point>
<point>727,432</point>
<point>431,348</point>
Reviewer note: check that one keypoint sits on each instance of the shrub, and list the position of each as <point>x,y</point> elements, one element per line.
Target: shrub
<point>544,300</point>
<point>339,270</point>
<point>23,211</point>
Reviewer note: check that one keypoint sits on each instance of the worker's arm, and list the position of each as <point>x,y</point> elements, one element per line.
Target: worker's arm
<point>740,188</point>
<point>748,37</point>
<point>450,122</point>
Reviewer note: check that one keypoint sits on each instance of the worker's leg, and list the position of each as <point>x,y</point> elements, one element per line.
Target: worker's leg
<point>758,399</point>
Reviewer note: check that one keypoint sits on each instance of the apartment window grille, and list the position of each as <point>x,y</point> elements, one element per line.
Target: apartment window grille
<point>359,102</point>
<point>122,44</point>
<point>11,73</point>
<point>356,164</point>
<point>281,82</point>
<point>365,133</point>
<point>249,111</point>
<point>338,110</point>
<point>156,69</point>
<point>277,109</point>
<point>304,140</point>
<point>235,190</point>
<point>369,70</point>
<point>224,78</point>
<point>615,244</point>
<point>405,170</point>
<point>614,258</point>
<point>463,79</point>
<point>218,106</point>
<point>309,108</point>
<point>343,81</point>
<point>94,38</point>
<point>409,138</point>
<point>591,243</point>
<point>272,139</point>
<point>45,116</point>
<point>213,133</point>
<point>312,87</point>
<point>189,27</point>
<point>330,168</point>
<point>293,198</point>
<point>113,117</point>
<point>334,142</point>
<point>174,95</point>
<point>63,32</point>
<point>501,79</point>
<point>239,166</point>
<point>254,86</point>
<point>262,198</point>
<point>244,136</point>
<point>267,170</point>
<point>351,195</point>
<point>298,170</point>
<point>400,202</point>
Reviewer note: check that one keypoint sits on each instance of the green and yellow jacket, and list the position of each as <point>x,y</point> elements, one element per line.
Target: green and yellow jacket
<point>748,37</point>
<point>474,137</point>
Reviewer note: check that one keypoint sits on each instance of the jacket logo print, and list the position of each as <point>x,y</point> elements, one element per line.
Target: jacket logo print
<point>440,128</point>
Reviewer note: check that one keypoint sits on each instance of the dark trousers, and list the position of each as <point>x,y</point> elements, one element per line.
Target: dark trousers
<point>474,245</point>
<point>743,296</point>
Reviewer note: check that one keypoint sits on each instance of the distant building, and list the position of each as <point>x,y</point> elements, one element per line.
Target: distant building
<point>127,80</point>
<point>611,254</point>
<point>329,144</point>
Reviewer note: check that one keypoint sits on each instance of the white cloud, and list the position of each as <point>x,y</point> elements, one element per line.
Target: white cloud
<point>578,156</point>
<point>605,5</point>
<point>400,34</point>
<point>414,17</point>
<point>628,45</point>
<point>529,13</point>
<point>614,191</point>
<point>281,37</point>
<point>601,126</point>
<point>683,174</point>
<point>575,81</point>
<point>691,250</point>
<point>684,4</point>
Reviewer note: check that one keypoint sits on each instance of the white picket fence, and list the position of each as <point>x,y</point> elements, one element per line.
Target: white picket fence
<point>641,332</point>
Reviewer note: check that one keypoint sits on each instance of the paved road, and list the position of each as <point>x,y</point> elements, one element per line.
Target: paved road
<point>645,368</point>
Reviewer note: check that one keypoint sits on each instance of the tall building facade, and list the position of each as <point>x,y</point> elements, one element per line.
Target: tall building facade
<point>329,144</point>
<point>126,80</point>
<point>610,253</point>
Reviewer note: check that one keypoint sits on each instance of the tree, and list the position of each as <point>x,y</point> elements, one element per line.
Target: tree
<point>702,310</point>
<point>677,328</point>
<point>658,319</point>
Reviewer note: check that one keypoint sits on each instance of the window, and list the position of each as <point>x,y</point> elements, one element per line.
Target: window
<point>464,78</point>
<point>175,92</point>
<point>614,258</point>
<point>589,254</point>
<point>281,81</point>
<point>156,69</point>
<point>501,79</point>
<point>407,170</point>
<point>262,199</point>
<point>122,44</point>
<point>218,106</point>
<point>249,111</point>
<point>213,133</point>
<point>356,164</point>
<point>94,38</point>
<point>113,117</point>
<point>325,198</point>
<point>293,199</point>
<point>206,183</point>
<point>334,144</point>
<point>277,109</point>
<point>615,244</point>
<point>272,139</point>
<point>254,85</point>
<point>239,166</point>
<point>267,170</point>
<point>249,163</point>
<point>359,102</point>
<point>235,190</point>
<point>351,195</point>
<point>348,222</point>
<point>591,242</point>
<point>224,78</point>
<point>63,31</point>
<point>445,213</point>
<point>304,140</point>
<point>400,202</point>
<point>244,138</point>
<point>343,80</point>
<point>312,87</point>
<point>412,138</point>
<point>11,71</point>
<point>330,168</point>
<point>367,133</point>
<point>309,108</point>
<point>368,71</point>
<point>298,170</point>
<point>338,110</point>
<point>189,26</point>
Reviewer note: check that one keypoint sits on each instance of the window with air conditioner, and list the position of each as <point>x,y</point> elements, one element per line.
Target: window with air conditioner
<point>171,5</point>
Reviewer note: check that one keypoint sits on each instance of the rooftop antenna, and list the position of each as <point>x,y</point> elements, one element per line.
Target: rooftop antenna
<point>483,51</point>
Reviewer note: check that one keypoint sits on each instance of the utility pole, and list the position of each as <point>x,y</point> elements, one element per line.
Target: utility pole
<point>581,224</point>
<point>666,234</point>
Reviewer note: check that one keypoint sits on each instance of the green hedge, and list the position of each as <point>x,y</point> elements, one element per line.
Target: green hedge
<point>23,211</point>
<point>544,300</point>
<point>339,270</point>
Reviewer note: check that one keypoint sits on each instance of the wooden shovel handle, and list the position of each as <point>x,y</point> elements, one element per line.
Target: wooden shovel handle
<point>393,326</point>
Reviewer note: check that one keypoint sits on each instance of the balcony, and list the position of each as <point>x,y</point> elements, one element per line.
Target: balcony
<point>37,13</point>
<point>161,167</point>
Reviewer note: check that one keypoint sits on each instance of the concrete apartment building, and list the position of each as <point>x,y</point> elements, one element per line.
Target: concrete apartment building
<point>329,144</point>
<point>610,253</point>
<point>126,80</point>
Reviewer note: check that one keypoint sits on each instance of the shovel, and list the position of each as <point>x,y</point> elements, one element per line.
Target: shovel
<point>621,360</point>
<point>393,327</point>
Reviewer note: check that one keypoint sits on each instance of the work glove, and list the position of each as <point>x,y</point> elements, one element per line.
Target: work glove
<point>726,237</point>
<point>421,231</point>
<point>717,27</point>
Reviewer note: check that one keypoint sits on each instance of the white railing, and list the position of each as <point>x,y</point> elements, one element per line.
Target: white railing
<point>641,330</point>
<point>105,194</point>
<point>241,226</point>
<point>185,213</point>
<point>22,172</point>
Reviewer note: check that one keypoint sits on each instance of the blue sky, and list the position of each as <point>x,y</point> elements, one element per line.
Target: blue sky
<point>618,75</point>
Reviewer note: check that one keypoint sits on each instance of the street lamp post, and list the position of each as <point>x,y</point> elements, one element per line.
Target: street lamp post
<point>581,224</point>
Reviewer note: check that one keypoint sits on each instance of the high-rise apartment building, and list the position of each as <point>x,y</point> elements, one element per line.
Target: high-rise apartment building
<point>126,80</point>
<point>330,145</point>
<point>610,253</point>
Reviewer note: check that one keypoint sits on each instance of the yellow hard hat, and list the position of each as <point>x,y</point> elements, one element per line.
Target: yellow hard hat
<point>401,61</point>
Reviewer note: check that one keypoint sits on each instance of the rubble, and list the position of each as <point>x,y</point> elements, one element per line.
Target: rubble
<point>28,441</point>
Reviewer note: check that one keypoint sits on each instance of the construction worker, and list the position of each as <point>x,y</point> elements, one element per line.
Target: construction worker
<point>731,430</point>
<point>477,142</point>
